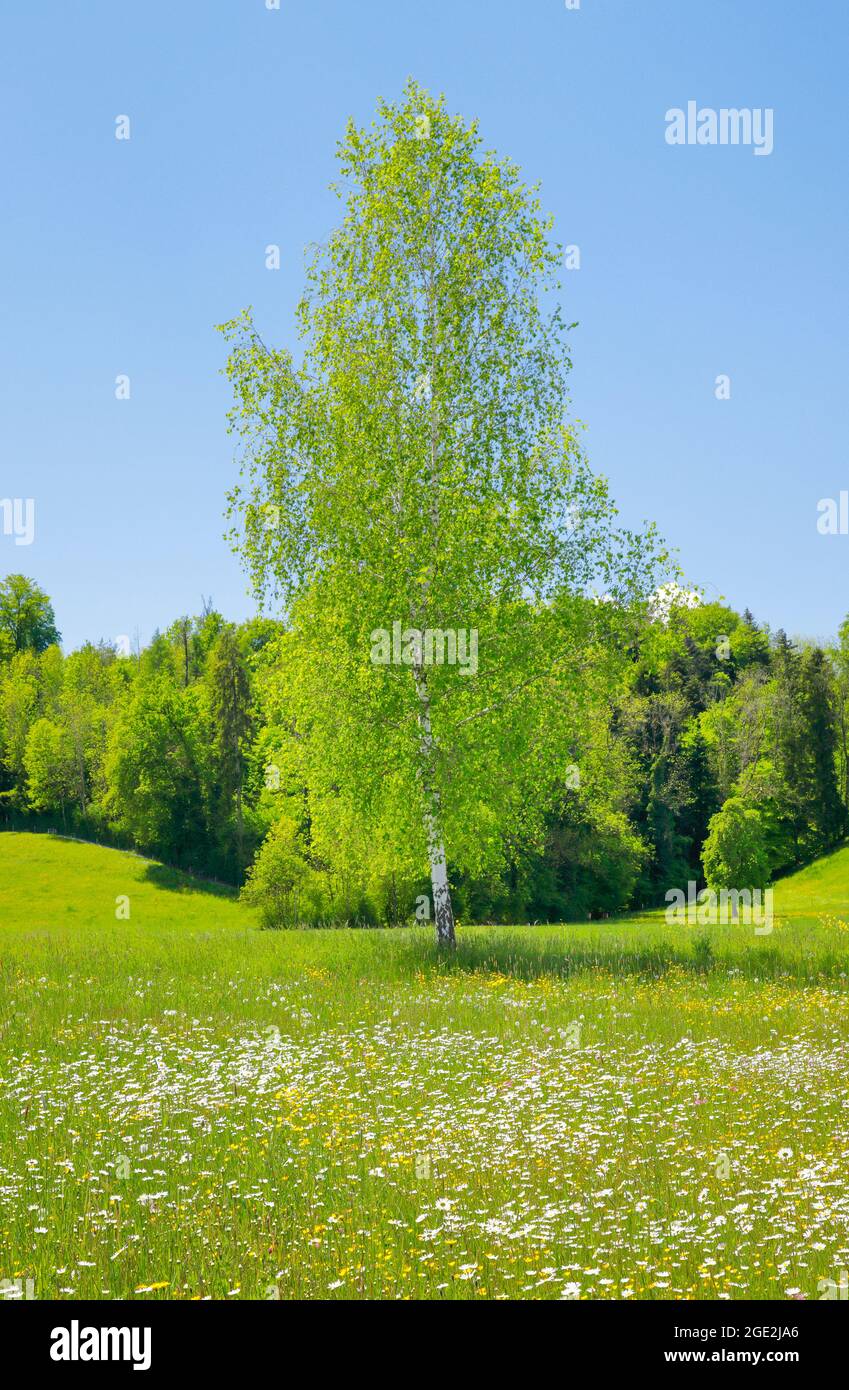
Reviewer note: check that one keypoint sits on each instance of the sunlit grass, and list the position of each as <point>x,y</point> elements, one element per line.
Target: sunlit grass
<point>190,1107</point>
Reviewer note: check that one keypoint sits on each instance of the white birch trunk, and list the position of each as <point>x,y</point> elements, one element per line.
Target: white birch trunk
<point>443,911</point>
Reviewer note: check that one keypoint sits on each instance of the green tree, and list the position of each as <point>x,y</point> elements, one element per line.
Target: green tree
<point>51,767</point>
<point>280,882</point>
<point>95,686</point>
<point>416,469</point>
<point>20,706</point>
<point>825,812</point>
<point>840,659</point>
<point>735,851</point>
<point>230,707</point>
<point>27,621</point>
<point>786,742</point>
<point>158,772</point>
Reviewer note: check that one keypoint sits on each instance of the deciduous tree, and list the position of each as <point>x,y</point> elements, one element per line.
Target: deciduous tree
<point>416,467</point>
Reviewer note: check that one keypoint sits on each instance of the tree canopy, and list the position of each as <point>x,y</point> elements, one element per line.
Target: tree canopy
<point>27,621</point>
<point>415,473</point>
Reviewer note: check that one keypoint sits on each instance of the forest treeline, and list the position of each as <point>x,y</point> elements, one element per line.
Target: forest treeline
<point>181,750</point>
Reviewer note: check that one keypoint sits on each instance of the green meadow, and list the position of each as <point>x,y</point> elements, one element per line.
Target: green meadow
<point>191,1107</point>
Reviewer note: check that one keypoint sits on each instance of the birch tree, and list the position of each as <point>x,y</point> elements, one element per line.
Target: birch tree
<point>415,499</point>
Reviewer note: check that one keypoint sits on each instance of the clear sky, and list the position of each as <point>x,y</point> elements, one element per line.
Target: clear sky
<point>118,257</point>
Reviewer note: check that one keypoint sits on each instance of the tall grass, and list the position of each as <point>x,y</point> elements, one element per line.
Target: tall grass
<point>192,1107</point>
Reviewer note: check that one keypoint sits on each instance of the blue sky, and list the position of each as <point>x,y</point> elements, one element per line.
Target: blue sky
<point>120,256</point>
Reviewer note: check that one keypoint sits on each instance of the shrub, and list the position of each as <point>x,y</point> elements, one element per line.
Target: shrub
<point>280,882</point>
<point>735,852</point>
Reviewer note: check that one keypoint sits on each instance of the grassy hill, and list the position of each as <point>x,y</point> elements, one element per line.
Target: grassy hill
<point>191,1107</point>
<point>48,881</point>
<point>821,887</point>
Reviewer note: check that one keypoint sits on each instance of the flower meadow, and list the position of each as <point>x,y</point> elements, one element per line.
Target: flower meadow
<point>192,1108</point>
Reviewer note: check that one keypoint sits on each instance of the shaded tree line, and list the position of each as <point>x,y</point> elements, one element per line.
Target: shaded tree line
<point>180,751</point>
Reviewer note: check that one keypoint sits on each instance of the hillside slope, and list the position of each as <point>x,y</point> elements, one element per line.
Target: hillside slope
<point>821,887</point>
<point>47,881</point>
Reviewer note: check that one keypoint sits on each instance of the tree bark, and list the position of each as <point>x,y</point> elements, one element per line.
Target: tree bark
<point>443,910</point>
